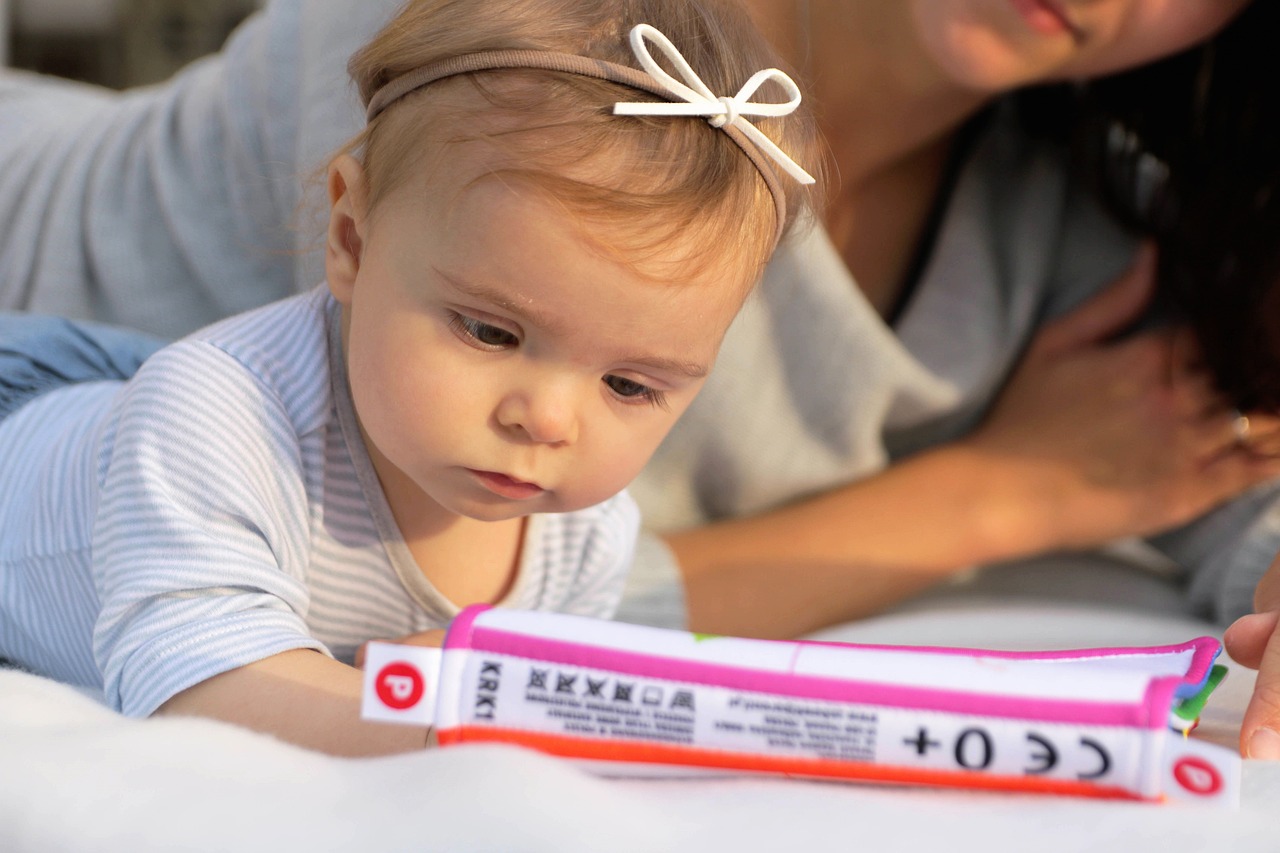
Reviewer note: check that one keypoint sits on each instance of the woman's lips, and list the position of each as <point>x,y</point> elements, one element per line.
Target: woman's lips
<point>507,487</point>
<point>1046,17</point>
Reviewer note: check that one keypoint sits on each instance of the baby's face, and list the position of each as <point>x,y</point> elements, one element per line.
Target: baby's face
<point>503,364</point>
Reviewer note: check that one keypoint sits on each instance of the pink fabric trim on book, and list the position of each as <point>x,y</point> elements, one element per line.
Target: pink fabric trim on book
<point>1151,713</point>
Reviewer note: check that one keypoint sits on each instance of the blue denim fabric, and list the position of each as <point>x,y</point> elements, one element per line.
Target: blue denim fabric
<point>40,353</point>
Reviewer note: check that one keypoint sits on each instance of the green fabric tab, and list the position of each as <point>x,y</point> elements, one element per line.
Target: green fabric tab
<point>1190,708</point>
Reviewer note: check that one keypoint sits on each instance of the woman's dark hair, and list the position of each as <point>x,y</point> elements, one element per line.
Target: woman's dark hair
<point>1187,151</point>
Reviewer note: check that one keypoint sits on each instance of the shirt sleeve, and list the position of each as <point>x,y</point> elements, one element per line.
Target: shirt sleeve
<point>161,209</point>
<point>201,539</point>
<point>1227,551</point>
<point>167,207</point>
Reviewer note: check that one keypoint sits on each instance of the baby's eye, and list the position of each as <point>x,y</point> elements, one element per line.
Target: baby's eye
<point>634,392</point>
<point>484,334</point>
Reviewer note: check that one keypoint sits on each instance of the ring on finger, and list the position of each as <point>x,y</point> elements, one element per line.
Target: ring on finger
<point>1240,428</point>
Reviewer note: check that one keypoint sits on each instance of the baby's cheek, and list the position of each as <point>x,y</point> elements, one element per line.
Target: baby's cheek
<point>598,481</point>
<point>627,465</point>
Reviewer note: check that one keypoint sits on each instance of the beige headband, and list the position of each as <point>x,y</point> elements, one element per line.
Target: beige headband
<point>695,99</point>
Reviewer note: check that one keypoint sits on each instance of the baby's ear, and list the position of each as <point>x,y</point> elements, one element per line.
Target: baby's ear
<point>348,209</point>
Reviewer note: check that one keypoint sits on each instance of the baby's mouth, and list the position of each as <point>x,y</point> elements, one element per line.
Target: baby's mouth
<point>506,486</point>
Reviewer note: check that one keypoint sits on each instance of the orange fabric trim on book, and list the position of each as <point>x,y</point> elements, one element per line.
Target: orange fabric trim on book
<point>650,753</point>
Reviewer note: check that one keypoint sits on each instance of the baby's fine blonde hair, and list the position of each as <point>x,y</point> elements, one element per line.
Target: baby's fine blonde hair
<point>652,179</point>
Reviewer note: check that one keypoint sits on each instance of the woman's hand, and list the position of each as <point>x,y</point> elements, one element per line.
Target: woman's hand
<point>1100,438</point>
<point>432,639</point>
<point>1254,641</point>
<point>1093,438</point>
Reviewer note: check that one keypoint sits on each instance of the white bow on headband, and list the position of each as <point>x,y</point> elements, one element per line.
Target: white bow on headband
<point>720,110</point>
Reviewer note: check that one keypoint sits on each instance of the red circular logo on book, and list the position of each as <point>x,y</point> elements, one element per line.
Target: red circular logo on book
<point>1197,776</point>
<point>399,685</point>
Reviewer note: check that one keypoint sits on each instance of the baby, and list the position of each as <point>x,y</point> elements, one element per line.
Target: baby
<point>533,252</point>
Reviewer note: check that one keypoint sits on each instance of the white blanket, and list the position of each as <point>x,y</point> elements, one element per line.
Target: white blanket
<point>75,776</point>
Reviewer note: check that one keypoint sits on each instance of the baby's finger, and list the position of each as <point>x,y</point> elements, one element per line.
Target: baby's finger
<point>433,638</point>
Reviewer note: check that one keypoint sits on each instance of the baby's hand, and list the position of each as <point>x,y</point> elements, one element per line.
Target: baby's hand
<point>1254,641</point>
<point>432,639</point>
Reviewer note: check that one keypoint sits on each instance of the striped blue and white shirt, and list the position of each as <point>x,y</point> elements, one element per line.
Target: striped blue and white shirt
<point>220,508</point>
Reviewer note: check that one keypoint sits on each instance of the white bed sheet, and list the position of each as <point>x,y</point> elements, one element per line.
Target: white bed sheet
<point>75,776</point>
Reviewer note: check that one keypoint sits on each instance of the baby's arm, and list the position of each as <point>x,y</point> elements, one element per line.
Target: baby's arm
<point>202,551</point>
<point>304,698</point>
<point>299,696</point>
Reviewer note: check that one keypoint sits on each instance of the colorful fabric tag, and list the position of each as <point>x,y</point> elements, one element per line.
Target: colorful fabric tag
<point>401,684</point>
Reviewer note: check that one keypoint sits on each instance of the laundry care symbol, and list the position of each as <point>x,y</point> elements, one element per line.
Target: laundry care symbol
<point>576,683</point>
<point>399,685</point>
<point>579,684</point>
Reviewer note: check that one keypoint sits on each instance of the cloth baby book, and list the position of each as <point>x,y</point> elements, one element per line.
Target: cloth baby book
<point>629,699</point>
